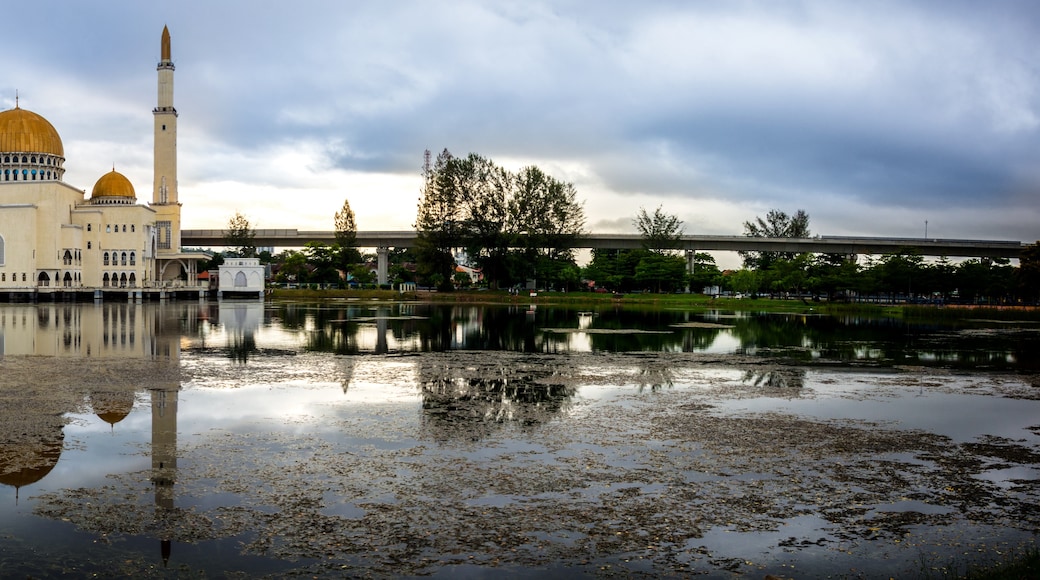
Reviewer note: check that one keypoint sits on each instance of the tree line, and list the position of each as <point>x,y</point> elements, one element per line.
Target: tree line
<point>516,228</point>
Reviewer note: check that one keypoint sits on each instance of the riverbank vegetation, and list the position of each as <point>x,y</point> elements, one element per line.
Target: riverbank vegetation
<point>481,226</point>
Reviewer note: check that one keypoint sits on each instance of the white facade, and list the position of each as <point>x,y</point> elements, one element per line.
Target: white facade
<point>241,276</point>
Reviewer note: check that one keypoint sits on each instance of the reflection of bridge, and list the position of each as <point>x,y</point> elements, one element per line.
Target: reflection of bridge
<point>850,246</point>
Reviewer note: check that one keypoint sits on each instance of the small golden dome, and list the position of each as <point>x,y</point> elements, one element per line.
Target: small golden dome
<point>23,131</point>
<point>113,184</point>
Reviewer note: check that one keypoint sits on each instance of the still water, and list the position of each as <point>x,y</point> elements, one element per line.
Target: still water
<point>341,439</point>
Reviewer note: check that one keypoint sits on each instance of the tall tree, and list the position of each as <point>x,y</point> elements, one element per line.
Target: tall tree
<point>484,192</point>
<point>661,231</point>
<point>437,222</point>
<point>240,236</point>
<point>346,236</point>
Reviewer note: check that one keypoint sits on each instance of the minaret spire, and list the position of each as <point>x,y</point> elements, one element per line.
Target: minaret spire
<point>165,43</point>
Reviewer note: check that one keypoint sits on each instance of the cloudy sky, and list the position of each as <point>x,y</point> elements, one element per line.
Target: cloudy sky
<point>874,117</point>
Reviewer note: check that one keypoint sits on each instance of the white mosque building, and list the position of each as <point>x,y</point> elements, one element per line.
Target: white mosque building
<point>55,238</point>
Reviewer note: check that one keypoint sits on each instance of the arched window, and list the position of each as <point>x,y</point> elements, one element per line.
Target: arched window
<point>88,245</point>
<point>67,258</point>
<point>240,280</point>
<point>67,280</point>
<point>133,279</point>
<point>132,227</point>
<point>104,280</point>
<point>122,280</point>
<point>124,258</point>
<point>43,279</point>
<point>106,258</point>
<point>133,258</point>
<point>88,227</point>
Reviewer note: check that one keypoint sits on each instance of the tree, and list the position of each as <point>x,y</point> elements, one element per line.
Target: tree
<point>511,226</point>
<point>777,224</point>
<point>745,281</point>
<point>661,271</point>
<point>1029,273</point>
<point>661,231</point>
<point>346,236</point>
<point>705,272</point>
<point>240,236</point>
<point>437,222</point>
<point>292,267</point>
<point>322,258</point>
<point>544,218</point>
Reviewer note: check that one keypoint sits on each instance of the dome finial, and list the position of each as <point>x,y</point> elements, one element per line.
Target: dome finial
<point>16,98</point>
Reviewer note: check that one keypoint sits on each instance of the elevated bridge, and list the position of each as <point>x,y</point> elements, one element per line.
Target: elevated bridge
<point>846,245</point>
<point>287,238</point>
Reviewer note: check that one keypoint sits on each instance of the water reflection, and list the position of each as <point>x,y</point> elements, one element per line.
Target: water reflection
<point>467,398</point>
<point>475,390</point>
<point>352,328</point>
<point>62,360</point>
<point>776,382</point>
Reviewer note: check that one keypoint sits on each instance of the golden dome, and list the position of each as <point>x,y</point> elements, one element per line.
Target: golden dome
<point>113,184</point>
<point>23,131</point>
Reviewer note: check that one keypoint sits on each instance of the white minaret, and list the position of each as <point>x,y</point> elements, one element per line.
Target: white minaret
<point>164,187</point>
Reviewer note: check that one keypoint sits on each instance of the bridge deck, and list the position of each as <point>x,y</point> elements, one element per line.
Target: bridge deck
<point>290,238</point>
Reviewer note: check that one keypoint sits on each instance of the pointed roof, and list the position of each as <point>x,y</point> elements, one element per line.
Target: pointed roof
<point>165,43</point>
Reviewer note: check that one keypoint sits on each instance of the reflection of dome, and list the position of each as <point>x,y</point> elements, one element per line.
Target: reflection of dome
<point>29,446</point>
<point>32,465</point>
<point>113,187</point>
<point>112,406</point>
<point>23,131</point>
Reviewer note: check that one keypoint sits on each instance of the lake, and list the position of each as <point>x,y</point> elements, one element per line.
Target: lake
<point>353,438</point>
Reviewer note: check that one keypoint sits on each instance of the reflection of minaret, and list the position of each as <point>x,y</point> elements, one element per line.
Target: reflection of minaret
<point>164,179</point>
<point>164,452</point>
<point>164,419</point>
<point>381,314</point>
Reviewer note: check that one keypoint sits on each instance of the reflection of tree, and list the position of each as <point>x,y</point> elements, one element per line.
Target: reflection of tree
<point>696,339</point>
<point>655,374</point>
<point>781,382</point>
<point>468,399</point>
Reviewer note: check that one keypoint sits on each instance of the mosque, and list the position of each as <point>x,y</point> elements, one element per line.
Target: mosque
<point>53,237</point>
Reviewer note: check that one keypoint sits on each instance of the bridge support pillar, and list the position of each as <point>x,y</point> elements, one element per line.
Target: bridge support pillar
<point>691,264</point>
<point>691,260</point>
<point>382,264</point>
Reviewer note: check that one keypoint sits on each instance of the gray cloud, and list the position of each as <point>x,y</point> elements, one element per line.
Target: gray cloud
<point>795,104</point>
